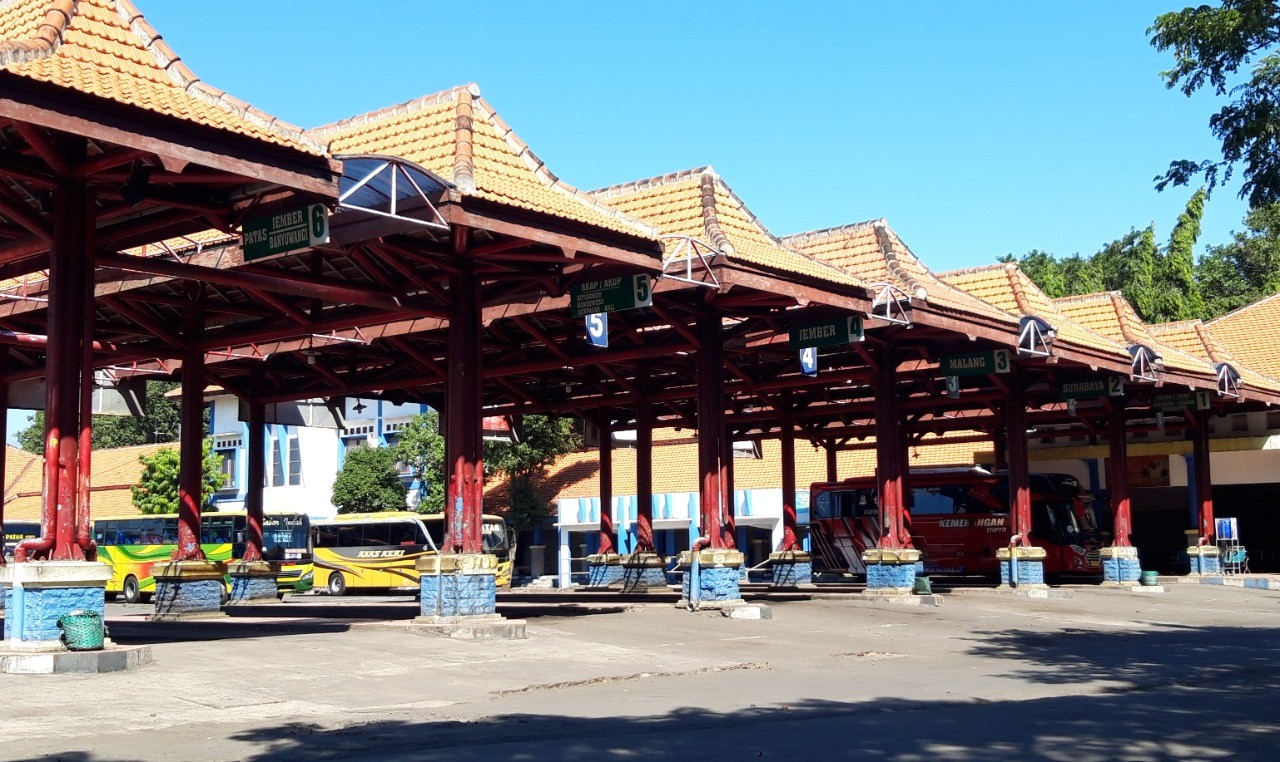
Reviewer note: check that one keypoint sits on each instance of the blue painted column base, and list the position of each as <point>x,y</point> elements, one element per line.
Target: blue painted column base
<point>719,572</point>
<point>38,593</point>
<point>791,568</point>
<point>188,590</point>
<point>1030,563</point>
<point>1205,560</point>
<point>891,571</point>
<point>642,572</point>
<point>253,582</point>
<point>604,570</point>
<point>455,586</point>
<point>1120,566</point>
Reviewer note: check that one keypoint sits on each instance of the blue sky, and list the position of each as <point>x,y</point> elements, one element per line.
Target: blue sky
<point>975,128</point>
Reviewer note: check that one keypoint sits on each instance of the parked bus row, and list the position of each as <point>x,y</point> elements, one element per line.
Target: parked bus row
<point>958,518</point>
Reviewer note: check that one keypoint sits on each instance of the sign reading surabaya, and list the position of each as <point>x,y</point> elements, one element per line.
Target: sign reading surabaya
<point>1110,386</point>
<point>262,237</point>
<point>610,295</point>
<point>1177,403</point>
<point>976,363</point>
<point>828,333</point>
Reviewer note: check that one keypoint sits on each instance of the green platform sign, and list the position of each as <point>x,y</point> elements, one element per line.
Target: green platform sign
<point>976,363</point>
<point>1111,386</point>
<point>610,295</point>
<point>1177,403</point>
<point>262,237</point>
<point>828,333</point>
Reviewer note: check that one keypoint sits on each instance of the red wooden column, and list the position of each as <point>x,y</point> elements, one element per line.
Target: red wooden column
<point>1000,446</point>
<point>607,530</point>
<point>1118,476</point>
<point>256,476</point>
<point>710,427</point>
<point>464,401</point>
<point>727,502</point>
<point>1015,417</point>
<point>644,477</point>
<point>1204,481</point>
<point>889,451</point>
<point>832,469</point>
<point>191,444</point>
<point>4,437</point>
<point>84,472</point>
<point>790,522</point>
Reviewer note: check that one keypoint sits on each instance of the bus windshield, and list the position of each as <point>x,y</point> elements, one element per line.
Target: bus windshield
<point>285,535</point>
<point>494,535</point>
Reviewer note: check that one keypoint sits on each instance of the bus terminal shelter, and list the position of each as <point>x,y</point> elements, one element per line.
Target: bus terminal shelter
<point>152,226</point>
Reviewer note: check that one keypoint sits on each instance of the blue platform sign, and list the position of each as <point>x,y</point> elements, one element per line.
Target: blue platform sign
<point>809,361</point>
<point>598,329</point>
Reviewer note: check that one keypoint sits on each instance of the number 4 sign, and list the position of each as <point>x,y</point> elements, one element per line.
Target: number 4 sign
<point>809,361</point>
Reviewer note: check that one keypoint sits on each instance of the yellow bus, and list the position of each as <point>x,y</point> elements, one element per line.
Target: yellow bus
<point>132,544</point>
<point>380,551</point>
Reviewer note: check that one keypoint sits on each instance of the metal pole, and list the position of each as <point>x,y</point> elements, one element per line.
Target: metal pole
<point>607,544</point>
<point>1203,479</point>
<point>84,519</point>
<point>729,523</point>
<point>710,413</point>
<point>191,445</point>
<point>888,451</point>
<point>1118,476</point>
<point>4,437</point>
<point>832,468</point>
<point>1019,463</point>
<point>790,520</point>
<point>256,474</point>
<point>644,477</point>
<point>463,399</point>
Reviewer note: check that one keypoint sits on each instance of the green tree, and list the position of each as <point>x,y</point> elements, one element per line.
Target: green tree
<point>1211,44</point>
<point>160,424</point>
<point>157,488</point>
<point>1246,269</point>
<point>1180,296</point>
<point>1044,270</point>
<point>369,482</point>
<point>542,440</point>
<point>1081,275</point>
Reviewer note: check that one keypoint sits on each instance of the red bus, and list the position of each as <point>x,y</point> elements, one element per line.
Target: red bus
<point>958,517</point>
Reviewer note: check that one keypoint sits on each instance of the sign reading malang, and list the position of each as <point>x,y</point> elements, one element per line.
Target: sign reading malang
<point>828,333</point>
<point>976,363</point>
<point>1111,386</point>
<point>610,295</point>
<point>262,237</point>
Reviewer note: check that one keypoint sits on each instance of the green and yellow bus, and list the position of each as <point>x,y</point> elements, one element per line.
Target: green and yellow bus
<point>132,544</point>
<point>380,551</point>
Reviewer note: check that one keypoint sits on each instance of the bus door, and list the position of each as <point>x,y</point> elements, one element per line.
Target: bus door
<point>844,523</point>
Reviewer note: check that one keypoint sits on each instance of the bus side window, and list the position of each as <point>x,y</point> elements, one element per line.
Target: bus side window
<point>376,534</point>
<point>402,534</point>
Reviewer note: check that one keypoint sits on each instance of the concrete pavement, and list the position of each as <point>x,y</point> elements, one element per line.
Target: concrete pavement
<point>1190,674</point>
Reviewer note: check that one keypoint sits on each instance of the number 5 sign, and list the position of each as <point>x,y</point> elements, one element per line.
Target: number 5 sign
<point>598,329</point>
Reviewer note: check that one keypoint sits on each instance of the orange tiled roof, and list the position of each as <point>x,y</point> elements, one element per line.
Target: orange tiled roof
<point>1006,286</point>
<point>114,471</point>
<point>874,253</point>
<point>106,49</point>
<point>577,475</point>
<point>457,135</point>
<point>1111,315</point>
<point>699,204</point>
<point>1249,333</point>
<point>1195,338</point>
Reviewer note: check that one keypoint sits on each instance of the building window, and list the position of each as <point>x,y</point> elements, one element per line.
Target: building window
<point>277,462</point>
<point>1273,421</point>
<point>227,448</point>
<point>1240,422</point>
<point>295,462</point>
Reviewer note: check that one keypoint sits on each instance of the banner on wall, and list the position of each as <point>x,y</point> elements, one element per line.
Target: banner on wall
<point>1149,471</point>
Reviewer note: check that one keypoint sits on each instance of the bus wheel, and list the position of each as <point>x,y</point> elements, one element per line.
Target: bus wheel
<point>337,584</point>
<point>131,593</point>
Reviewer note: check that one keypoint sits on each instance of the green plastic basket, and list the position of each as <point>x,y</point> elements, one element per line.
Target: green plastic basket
<point>1149,579</point>
<point>924,586</point>
<point>82,630</point>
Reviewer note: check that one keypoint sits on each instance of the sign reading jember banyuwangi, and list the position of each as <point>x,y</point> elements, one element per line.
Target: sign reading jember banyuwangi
<point>828,333</point>
<point>262,237</point>
<point>1110,386</point>
<point>976,363</point>
<point>1177,403</point>
<point>610,295</point>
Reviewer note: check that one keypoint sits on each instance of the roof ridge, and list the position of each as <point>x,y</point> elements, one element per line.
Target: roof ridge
<point>742,206</point>
<point>1012,271</point>
<point>193,85</point>
<point>463,172</point>
<point>1216,350</point>
<point>1081,298</point>
<point>711,220</point>
<point>653,182</point>
<point>896,269</point>
<point>1125,318</point>
<point>974,270</point>
<point>1238,310</point>
<point>47,37</point>
<point>324,131</point>
<point>549,178</point>
<point>837,230</point>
